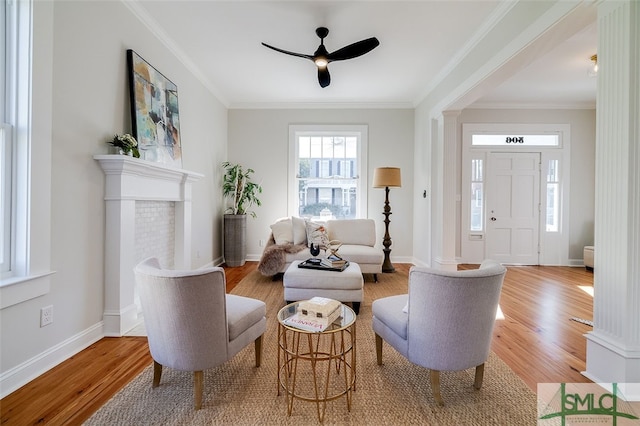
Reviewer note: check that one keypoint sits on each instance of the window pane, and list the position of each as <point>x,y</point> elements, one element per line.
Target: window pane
<point>515,140</point>
<point>327,176</point>
<point>476,206</point>
<point>304,147</point>
<point>552,171</point>
<point>476,170</point>
<point>339,148</point>
<point>4,198</point>
<point>477,196</point>
<point>553,197</point>
<point>316,147</point>
<point>553,207</point>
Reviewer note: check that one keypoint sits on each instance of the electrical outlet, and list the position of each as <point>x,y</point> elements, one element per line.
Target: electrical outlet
<point>261,242</point>
<point>46,315</point>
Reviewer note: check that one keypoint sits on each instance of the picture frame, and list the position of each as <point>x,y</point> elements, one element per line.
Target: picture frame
<point>155,117</point>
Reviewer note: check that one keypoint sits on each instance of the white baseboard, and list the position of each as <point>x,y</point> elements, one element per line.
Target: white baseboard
<point>22,374</point>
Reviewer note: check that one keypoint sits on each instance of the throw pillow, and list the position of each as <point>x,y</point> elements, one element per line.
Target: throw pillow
<point>299,230</point>
<point>282,231</point>
<point>317,234</point>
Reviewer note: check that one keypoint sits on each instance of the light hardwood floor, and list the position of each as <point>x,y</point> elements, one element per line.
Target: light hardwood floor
<point>536,339</point>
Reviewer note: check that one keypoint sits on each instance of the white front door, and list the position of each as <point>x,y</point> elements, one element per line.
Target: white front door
<point>513,208</point>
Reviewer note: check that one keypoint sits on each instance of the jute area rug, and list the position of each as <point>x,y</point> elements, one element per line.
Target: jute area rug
<point>396,393</point>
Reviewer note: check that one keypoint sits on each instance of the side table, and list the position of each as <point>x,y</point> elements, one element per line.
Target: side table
<point>317,366</point>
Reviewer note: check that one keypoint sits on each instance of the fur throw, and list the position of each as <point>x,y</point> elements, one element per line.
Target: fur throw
<point>274,256</point>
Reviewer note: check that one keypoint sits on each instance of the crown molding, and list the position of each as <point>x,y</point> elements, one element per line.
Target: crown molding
<point>506,105</point>
<point>157,30</point>
<point>322,105</point>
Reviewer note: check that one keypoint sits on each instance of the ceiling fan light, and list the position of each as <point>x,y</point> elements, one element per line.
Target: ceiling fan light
<point>321,62</point>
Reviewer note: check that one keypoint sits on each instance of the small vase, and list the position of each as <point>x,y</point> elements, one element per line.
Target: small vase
<point>121,151</point>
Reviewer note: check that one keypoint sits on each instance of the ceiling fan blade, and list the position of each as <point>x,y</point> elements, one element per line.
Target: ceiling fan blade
<point>301,55</point>
<point>324,78</point>
<point>354,50</point>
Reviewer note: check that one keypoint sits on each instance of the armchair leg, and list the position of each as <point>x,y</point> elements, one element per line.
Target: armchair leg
<point>435,387</point>
<point>479,376</point>
<point>258,349</point>
<point>157,373</point>
<point>198,383</point>
<point>379,349</point>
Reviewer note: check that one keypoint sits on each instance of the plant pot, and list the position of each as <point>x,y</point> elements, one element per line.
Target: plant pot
<point>235,239</point>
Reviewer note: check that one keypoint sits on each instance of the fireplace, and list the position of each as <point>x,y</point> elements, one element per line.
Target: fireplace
<point>131,186</point>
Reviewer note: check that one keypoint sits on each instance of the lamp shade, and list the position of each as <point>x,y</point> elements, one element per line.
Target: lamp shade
<point>386,176</point>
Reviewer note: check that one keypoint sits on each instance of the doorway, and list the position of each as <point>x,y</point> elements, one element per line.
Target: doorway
<point>514,193</point>
<point>513,207</point>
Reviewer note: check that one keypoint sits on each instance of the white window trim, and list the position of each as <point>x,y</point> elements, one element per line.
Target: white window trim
<point>359,130</point>
<point>30,273</point>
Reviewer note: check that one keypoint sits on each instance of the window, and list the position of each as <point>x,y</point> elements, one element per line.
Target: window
<point>328,172</point>
<point>477,195</point>
<point>14,135</point>
<point>515,140</point>
<point>29,275</point>
<point>553,197</point>
<point>5,144</point>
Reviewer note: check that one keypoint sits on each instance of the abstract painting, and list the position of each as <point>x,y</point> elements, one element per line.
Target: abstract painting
<point>154,112</point>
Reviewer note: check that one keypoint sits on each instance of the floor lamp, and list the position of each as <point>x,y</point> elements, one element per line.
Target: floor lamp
<point>386,177</point>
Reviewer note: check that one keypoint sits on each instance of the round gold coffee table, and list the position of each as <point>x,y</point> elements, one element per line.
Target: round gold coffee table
<point>317,366</point>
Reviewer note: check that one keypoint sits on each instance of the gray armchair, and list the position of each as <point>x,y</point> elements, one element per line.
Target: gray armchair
<point>446,321</point>
<point>192,324</point>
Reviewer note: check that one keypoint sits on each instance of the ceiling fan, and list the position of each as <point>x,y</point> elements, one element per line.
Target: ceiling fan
<point>322,58</point>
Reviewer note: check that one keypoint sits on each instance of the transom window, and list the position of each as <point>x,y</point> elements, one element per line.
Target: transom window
<point>327,172</point>
<point>515,140</point>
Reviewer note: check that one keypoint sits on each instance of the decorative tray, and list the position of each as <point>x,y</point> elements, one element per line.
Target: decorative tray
<point>313,264</point>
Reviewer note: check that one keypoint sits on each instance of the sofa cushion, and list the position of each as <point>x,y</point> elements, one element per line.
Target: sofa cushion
<point>282,231</point>
<point>361,254</point>
<point>353,231</point>
<point>299,226</point>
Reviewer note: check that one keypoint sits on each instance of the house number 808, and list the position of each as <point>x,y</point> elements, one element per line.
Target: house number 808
<point>515,139</point>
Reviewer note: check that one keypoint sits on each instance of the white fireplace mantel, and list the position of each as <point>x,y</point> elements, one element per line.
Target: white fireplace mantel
<point>130,179</point>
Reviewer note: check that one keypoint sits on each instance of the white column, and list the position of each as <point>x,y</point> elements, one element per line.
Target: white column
<point>613,347</point>
<point>450,199</point>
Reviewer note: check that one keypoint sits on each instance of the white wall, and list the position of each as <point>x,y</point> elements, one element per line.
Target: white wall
<point>89,104</point>
<point>260,139</point>
<point>583,142</point>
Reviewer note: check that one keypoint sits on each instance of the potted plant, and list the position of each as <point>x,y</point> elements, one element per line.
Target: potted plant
<point>238,187</point>
<point>125,144</point>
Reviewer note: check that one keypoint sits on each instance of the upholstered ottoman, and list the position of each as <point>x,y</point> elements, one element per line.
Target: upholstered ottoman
<point>588,257</point>
<point>303,284</point>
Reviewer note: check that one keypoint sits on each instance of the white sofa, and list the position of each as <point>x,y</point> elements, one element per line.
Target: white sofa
<point>358,238</point>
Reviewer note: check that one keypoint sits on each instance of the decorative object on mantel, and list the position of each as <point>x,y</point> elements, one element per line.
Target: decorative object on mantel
<point>154,112</point>
<point>125,144</point>
<point>243,192</point>
<point>385,177</point>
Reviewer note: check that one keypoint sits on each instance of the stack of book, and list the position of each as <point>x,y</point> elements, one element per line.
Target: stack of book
<point>333,262</point>
<point>315,314</point>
